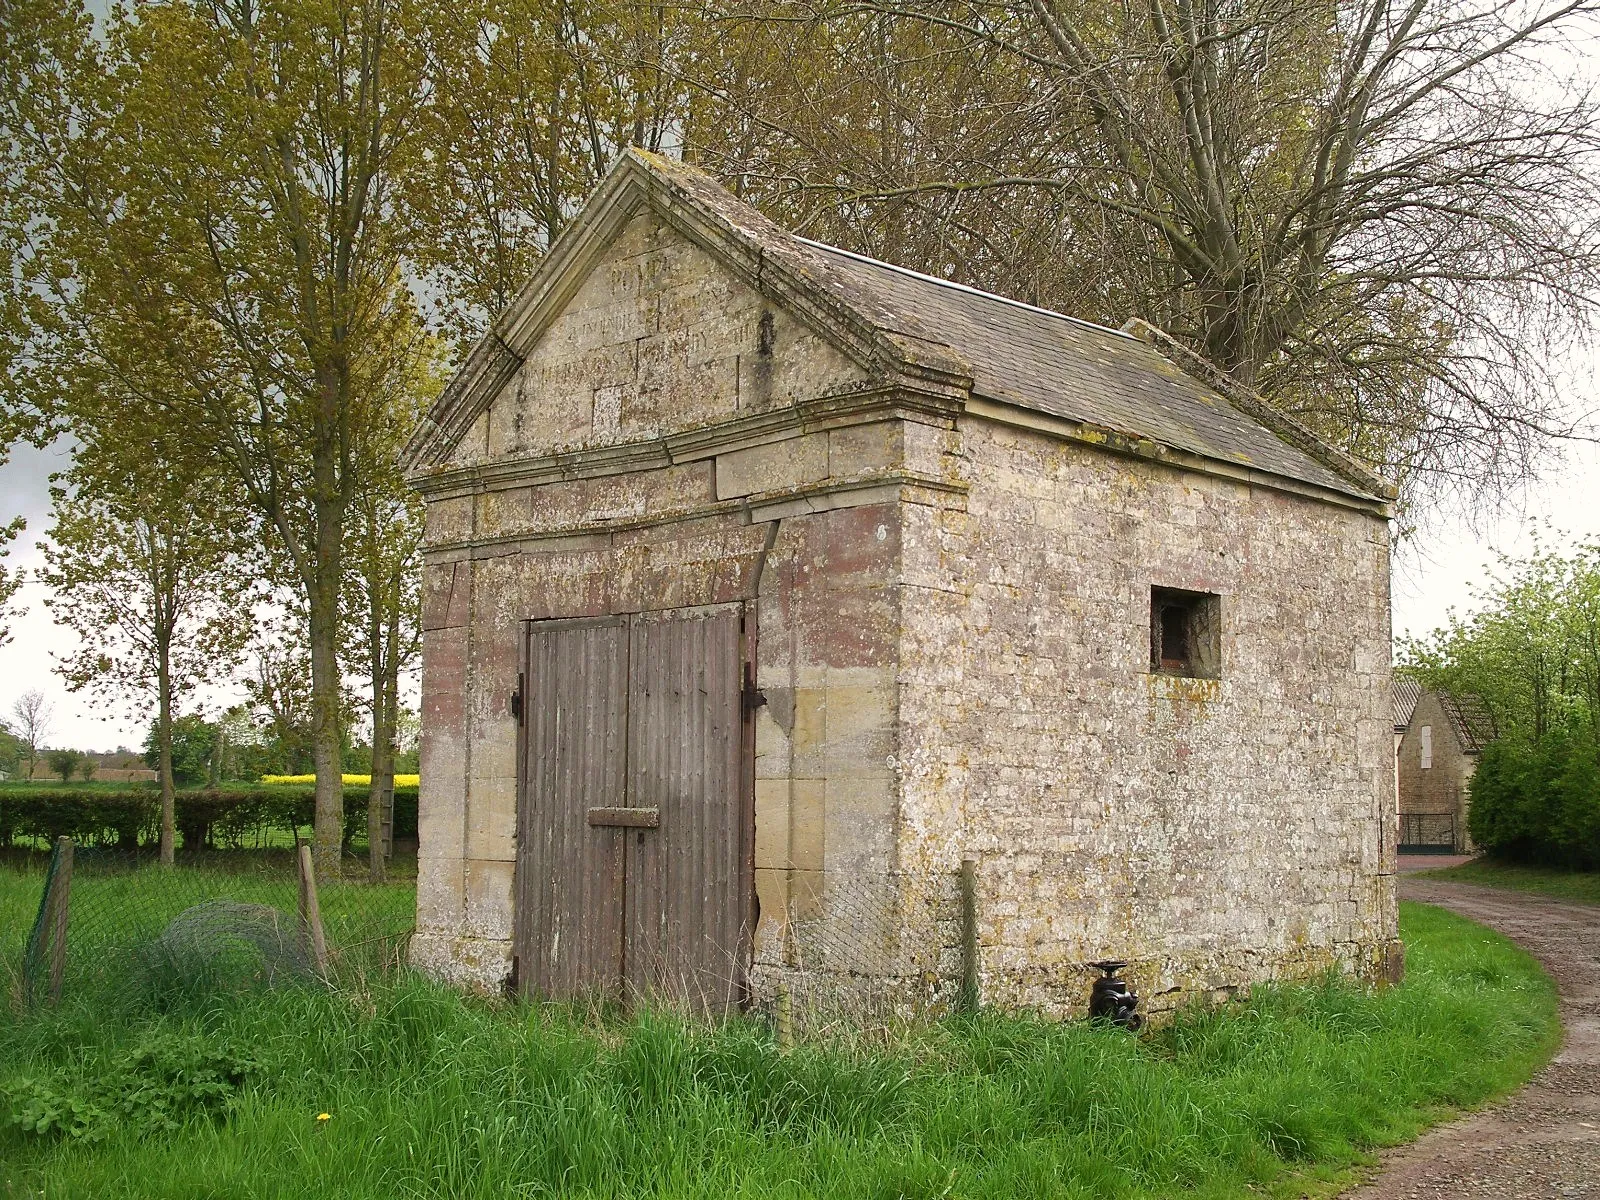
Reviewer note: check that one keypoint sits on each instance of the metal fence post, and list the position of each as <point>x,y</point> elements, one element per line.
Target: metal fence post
<point>967,1000</point>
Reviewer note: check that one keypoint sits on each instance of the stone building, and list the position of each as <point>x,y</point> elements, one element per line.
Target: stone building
<point>765,583</point>
<point>1437,755</point>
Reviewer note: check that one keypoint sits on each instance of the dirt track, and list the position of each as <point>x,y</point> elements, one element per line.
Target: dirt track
<point>1545,1140</point>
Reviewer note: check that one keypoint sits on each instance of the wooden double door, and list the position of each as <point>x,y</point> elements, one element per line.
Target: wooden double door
<point>635,821</point>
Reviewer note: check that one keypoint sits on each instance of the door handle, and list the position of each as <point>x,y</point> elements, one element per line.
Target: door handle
<point>633,818</point>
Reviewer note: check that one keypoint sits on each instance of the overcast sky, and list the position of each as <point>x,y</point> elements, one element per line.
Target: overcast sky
<point>1433,571</point>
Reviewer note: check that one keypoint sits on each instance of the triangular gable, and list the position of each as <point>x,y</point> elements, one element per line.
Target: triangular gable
<point>750,248</point>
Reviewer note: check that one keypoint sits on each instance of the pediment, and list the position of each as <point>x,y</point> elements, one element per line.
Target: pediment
<point>654,314</point>
<point>656,336</point>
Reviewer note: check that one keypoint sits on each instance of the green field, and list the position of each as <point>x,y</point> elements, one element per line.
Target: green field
<point>432,1094</point>
<point>1583,886</point>
<point>117,911</point>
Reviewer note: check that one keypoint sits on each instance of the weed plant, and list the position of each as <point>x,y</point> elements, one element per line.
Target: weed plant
<point>407,1089</point>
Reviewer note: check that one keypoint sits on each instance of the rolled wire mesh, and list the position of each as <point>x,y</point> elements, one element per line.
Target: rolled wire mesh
<point>209,923</point>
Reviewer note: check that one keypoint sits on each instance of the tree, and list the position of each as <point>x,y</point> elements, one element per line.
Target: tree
<point>192,744</point>
<point>226,237</point>
<point>533,100</point>
<point>383,594</point>
<point>11,750</point>
<point>31,714</point>
<point>1530,649</point>
<point>89,767</point>
<point>279,687</point>
<point>39,39</point>
<point>1378,212</point>
<point>65,763</point>
<point>147,564</point>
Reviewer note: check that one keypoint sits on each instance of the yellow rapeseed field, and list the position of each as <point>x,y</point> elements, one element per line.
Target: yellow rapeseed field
<point>399,780</point>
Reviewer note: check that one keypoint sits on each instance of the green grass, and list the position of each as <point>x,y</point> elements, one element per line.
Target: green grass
<point>1583,886</point>
<point>433,1094</point>
<point>115,911</point>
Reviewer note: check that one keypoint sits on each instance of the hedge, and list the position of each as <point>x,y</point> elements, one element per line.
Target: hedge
<point>1539,804</point>
<point>224,817</point>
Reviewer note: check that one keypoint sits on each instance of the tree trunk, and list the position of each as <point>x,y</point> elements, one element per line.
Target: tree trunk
<point>326,741</point>
<point>384,659</point>
<point>169,814</point>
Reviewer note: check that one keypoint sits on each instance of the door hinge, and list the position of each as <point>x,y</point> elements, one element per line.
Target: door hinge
<point>754,698</point>
<point>516,700</point>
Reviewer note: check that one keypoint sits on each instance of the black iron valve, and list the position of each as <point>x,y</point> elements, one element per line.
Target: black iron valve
<point>1112,1000</point>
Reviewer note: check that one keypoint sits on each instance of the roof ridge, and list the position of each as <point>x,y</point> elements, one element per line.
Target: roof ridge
<point>962,287</point>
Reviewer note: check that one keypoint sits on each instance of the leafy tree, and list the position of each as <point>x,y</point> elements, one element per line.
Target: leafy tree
<point>193,746</point>
<point>383,581</point>
<point>1531,651</point>
<point>1378,212</point>
<point>31,716</point>
<point>65,763</point>
<point>89,767</point>
<point>279,688</point>
<point>533,100</point>
<point>38,41</point>
<point>146,564</point>
<point>226,237</point>
<point>11,750</point>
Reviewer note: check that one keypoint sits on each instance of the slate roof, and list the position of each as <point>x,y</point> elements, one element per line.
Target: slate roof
<point>1056,364</point>
<point>1404,693</point>
<point>1471,719</point>
<point>1104,379</point>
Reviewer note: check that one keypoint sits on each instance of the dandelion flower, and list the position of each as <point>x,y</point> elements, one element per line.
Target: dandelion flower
<point>324,1116</point>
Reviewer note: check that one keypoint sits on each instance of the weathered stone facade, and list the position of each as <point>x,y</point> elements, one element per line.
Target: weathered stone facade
<point>1436,759</point>
<point>952,599</point>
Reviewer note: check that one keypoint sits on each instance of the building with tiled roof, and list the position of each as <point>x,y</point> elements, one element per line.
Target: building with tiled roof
<point>777,598</point>
<point>1436,757</point>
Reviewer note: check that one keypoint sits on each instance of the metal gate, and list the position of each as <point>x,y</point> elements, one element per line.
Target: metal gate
<point>1427,833</point>
<point>635,816</point>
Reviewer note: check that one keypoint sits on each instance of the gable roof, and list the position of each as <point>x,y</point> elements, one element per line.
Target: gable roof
<point>1404,693</point>
<point>1471,719</point>
<point>898,322</point>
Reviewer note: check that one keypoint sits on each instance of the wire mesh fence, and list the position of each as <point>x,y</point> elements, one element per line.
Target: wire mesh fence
<point>115,920</point>
<point>864,948</point>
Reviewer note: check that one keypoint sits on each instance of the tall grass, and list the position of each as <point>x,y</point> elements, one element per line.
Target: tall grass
<point>431,1094</point>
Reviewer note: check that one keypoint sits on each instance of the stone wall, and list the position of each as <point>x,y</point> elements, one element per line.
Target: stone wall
<point>673,440</point>
<point>1212,832</point>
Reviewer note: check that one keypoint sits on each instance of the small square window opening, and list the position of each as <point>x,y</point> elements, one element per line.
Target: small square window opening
<point>1185,633</point>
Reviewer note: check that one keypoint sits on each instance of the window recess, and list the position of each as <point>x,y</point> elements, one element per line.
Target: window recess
<point>1185,633</point>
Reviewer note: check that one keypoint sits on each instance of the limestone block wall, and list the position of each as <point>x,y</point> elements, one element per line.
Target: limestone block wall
<point>821,574</point>
<point>1212,832</point>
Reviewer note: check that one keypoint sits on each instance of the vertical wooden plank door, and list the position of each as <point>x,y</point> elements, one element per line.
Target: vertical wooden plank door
<point>568,928</point>
<point>687,909</point>
<point>635,814</point>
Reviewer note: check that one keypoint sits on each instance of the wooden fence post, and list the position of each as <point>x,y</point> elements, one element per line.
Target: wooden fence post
<point>60,908</point>
<point>967,1001</point>
<point>310,913</point>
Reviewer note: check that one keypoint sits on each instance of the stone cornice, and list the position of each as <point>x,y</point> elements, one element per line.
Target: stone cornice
<point>886,487</point>
<point>1113,442</point>
<point>809,416</point>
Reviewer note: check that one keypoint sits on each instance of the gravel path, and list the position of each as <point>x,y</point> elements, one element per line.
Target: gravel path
<point>1544,1141</point>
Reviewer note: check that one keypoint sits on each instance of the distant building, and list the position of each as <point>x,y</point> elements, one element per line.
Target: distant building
<point>1438,738</point>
